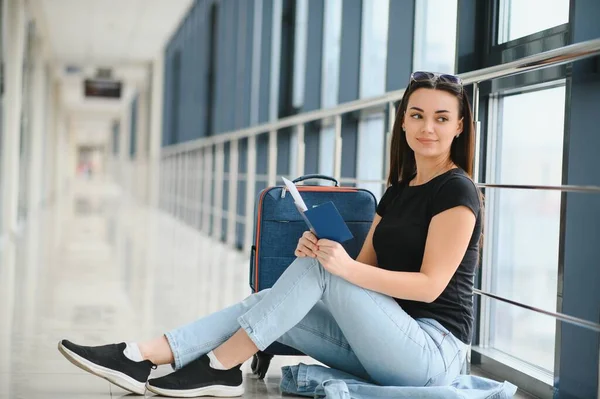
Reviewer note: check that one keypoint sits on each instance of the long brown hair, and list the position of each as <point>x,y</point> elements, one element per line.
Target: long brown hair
<point>462,151</point>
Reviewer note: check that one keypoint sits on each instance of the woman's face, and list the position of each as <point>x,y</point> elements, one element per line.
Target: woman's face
<point>431,122</point>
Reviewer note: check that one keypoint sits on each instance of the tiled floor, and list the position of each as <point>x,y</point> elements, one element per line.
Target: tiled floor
<point>98,269</point>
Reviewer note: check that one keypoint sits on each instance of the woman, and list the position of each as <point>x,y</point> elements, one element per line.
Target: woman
<point>400,314</point>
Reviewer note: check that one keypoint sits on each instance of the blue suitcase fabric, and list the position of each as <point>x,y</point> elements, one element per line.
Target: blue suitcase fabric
<point>279,226</point>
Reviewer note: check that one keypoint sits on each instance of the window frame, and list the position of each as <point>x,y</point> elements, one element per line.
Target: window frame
<point>499,25</point>
<point>495,111</point>
<point>490,53</point>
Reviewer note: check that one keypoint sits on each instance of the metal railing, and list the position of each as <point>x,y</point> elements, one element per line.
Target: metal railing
<point>173,168</point>
<point>207,155</point>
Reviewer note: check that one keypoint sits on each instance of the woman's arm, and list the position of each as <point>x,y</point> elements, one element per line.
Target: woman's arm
<point>447,240</point>
<point>367,253</point>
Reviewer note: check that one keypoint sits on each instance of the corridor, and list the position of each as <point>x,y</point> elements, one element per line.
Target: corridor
<point>137,136</point>
<point>98,268</point>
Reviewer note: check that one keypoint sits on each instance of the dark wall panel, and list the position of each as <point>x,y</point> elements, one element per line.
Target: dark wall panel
<point>314,56</point>
<point>579,348</point>
<point>262,154</point>
<point>228,110</point>
<point>180,88</point>
<point>201,86</point>
<point>349,85</point>
<point>244,64</point>
<point>400,45</point>
<point>214,69</point>
<point>116,127</point>
<point>241,203</point>
<point>175,104</point>
<point>350,51</point>
<point>286,64</point>
<point>470,46</point>
<point>265,64</point>
<point>220,53</point>
<point>166,122</point>
<point>133,119</point>
<point>186,57</point>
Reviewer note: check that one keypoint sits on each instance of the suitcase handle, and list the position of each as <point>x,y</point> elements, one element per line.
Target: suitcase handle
<point>323,177</point>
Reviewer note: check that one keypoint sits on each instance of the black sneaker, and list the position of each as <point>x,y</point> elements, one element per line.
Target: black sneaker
<point>199,379</point>
<point>110,363</point>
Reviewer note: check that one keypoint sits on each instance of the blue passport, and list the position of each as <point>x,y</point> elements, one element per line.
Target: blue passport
<point>326,222</point>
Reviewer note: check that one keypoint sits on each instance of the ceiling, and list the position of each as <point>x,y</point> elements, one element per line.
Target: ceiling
<point>108,32</point>
<point>122,35</point>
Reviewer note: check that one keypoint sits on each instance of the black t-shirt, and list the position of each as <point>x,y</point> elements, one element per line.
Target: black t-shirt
<point>399,242</point>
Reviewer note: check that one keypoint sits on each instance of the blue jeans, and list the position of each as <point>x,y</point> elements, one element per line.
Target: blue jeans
<point>349,328</point>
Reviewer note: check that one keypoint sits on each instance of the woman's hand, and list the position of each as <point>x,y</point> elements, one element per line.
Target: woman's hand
<point>333,257</point>
<point>307,246</point>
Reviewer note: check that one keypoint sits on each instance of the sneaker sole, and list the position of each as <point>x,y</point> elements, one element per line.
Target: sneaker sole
<point>116,377</point>
<point>222,391</point>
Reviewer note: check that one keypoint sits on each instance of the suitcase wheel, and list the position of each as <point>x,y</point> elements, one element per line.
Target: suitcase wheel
<point>260,364</point>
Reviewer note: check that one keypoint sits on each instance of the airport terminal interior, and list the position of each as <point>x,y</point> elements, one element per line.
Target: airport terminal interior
<point>136,137</point>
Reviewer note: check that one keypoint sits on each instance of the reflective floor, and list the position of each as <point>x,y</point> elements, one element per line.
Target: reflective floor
<point>98,269</point>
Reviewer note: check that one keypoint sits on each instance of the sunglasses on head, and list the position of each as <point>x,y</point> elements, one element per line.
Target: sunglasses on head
<point>434,77</point>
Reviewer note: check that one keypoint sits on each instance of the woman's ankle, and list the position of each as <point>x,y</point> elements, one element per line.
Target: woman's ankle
<point>158,351</point>
<point>144,350</point>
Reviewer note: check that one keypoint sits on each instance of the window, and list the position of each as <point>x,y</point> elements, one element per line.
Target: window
<point>515,17</point>
<point>373,56</point>
<point>435,35</point>
<point>275,60</point>
<point>373,47</point>
<point>522,238</point>
<point>301,35</point>
<point>326,150</point>
<point>115,137</point>
<point>331,52</point>
<point>1,107</point>
<point>371,152</point>
<point>174,135</point>
<point>25,123</point>
<point>211,98</point>
<point>133,125</point>
<point>300,39</point>
<point>332,32</point>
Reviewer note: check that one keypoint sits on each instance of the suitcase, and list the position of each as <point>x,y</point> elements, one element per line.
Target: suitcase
<point>278,226</point>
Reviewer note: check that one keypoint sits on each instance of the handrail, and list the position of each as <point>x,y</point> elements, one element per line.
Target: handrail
<point>564,188</point>
<point>559,56</point>
<point>559,316</point>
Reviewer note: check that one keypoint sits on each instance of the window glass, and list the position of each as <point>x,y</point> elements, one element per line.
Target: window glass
<point>133,122</point>
<point>371,153</point>
<point>332,31</point>
<point>515,17</point>
<point>293,159</point>
<point>435,35</point>
<point>326,150</point>
<point>523,226</point>
<point>300,38</point>
<point>373,57</point>
<point>2,69</point>
<point>373,49</point>
<point>275,60</point>
<point>25,125</point>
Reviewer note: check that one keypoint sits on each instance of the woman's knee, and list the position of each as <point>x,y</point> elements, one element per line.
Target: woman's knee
<point>255,298</point>
<point>305,263</point>
<point>301,268</point>
<point>339,284</point>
